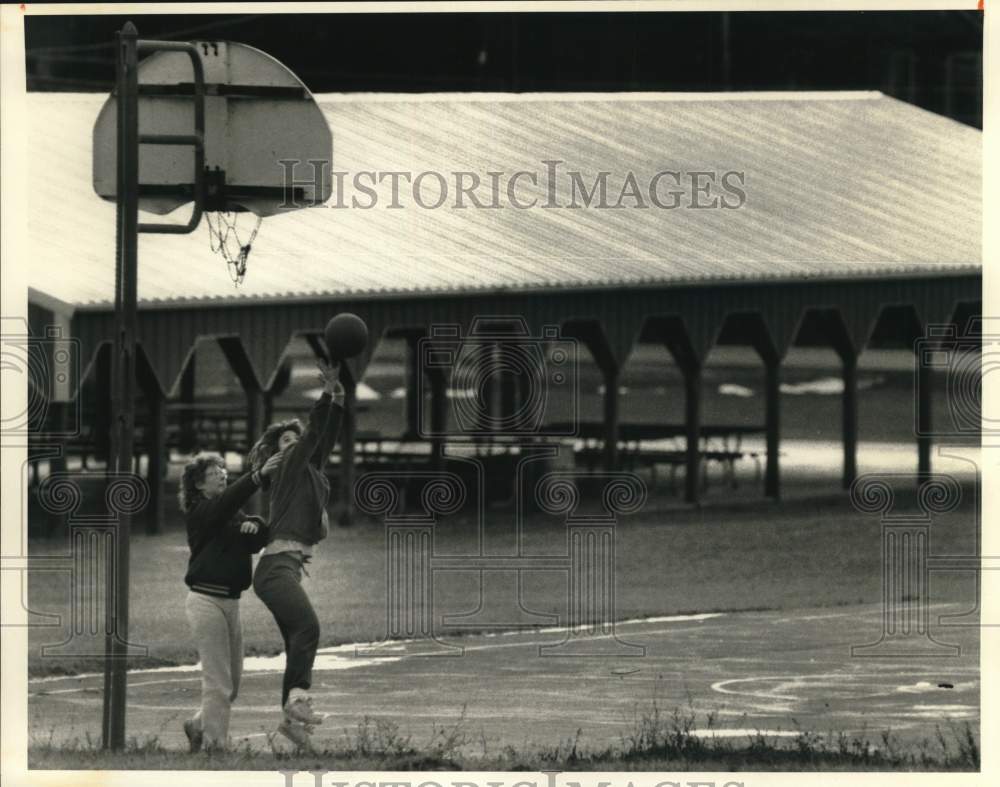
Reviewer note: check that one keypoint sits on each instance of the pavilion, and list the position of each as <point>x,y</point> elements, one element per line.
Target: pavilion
<point>859,223</point>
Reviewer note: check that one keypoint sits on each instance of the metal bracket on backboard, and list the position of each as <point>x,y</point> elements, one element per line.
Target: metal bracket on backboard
<point>195,140</point>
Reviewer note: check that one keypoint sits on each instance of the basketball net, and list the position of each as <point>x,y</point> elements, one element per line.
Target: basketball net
<point>224,238</point>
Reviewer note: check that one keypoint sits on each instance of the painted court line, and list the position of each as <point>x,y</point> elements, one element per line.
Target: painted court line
<point>342,656</point>
<point>720,686</point>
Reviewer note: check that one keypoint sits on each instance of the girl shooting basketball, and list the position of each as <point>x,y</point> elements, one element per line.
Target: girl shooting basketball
<point>298,494</point>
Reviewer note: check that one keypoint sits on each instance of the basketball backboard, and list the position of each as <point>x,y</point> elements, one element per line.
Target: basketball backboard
<point>257,114</point>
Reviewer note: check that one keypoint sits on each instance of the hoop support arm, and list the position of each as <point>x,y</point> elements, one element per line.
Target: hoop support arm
<point>196,140</point>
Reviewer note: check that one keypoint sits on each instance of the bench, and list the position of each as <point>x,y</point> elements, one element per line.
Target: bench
<point>719,444</point>
<point>593,457</point>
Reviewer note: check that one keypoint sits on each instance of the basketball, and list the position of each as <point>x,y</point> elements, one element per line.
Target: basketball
<point>346,336</point>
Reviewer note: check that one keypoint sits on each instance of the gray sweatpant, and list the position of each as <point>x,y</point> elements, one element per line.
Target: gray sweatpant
<point>215,623</point>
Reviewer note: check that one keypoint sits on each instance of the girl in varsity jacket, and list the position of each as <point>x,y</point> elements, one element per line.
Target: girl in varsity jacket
<point>221,538</point>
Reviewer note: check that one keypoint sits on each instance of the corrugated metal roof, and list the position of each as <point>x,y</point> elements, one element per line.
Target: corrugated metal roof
<point>837,185</point>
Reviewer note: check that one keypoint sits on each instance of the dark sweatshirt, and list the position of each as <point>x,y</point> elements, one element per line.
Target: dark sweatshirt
<point>220,563</point>
<point>299,487</point>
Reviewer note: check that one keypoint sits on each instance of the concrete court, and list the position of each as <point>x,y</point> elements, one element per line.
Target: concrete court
<point>758,671</point>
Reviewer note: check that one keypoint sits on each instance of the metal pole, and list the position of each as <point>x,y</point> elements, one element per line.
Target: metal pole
<point>112,382</point>
<point>123,384</point>
<point>124,367</point>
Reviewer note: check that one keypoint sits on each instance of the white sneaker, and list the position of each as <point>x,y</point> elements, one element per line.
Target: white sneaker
<point>300,709</point>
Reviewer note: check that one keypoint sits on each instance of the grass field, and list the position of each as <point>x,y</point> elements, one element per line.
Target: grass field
<point>758,555</point>
<point>654,741</point>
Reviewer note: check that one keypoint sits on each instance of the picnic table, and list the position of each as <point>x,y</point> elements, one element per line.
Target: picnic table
<point>650,445</point>
<point>373,447</point>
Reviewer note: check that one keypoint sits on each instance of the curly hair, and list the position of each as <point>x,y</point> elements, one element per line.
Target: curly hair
<point>194,473</point>
<point>267,444</point>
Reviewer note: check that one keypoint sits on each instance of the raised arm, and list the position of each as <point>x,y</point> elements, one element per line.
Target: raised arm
<point>299,454</point>
<point>332,431</point>
<point>210,515</point>
<point>328,374</point>
<point>330,435</point>
<point>217,511</point>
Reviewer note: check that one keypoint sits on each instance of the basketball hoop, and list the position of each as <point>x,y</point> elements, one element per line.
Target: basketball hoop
<point>224,238</point>
<point>255,114</point>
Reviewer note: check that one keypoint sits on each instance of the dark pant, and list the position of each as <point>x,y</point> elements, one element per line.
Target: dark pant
<point>278,583</point>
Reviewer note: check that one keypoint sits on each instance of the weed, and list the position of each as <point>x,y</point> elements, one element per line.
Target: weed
<point>654,740</point>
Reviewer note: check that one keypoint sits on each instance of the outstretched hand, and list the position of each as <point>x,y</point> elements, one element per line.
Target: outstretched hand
<point>272,464</point>
<point>328,375</point>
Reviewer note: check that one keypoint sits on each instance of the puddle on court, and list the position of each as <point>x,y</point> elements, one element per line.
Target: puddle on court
<point>926,687</point>
<point>743,733</point>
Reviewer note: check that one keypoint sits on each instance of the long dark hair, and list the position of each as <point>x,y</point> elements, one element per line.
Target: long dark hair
<point>194,473</point>
<point>267,445</point>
